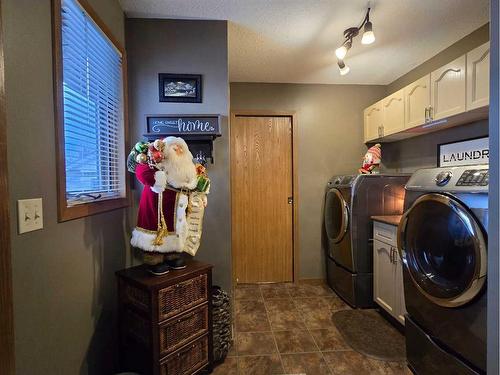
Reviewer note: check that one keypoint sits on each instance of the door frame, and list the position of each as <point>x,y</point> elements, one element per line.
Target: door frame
<point>295,184</point>
<point>7,359</point>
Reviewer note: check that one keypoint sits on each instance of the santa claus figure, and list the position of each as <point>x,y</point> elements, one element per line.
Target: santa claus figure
<point>372,159</point>
<point>172,203</point>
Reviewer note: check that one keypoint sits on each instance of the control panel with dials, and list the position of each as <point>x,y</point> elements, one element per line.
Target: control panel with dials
<point>474,177</point>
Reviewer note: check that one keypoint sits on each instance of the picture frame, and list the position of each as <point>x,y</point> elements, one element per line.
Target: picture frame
<point>468,151</point>
<point>180,88</point>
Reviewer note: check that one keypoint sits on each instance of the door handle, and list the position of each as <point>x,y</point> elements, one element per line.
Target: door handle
<point>394,256</point>
<point>426,114</point>
<point>430,113</point>
<point>290,200</point>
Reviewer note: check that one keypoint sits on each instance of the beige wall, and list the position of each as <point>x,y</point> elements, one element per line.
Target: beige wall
<point>63,275</point>
<point>330,120</point>
<point>175,46</point>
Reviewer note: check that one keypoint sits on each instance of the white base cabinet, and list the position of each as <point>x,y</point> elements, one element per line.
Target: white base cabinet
<point>388,290</point>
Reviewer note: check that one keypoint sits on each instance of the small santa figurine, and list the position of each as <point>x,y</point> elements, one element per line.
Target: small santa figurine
<point>172,202</point>
<point>372,159</point>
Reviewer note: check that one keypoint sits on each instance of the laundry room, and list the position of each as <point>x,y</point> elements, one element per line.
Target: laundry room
<point>249,187</point>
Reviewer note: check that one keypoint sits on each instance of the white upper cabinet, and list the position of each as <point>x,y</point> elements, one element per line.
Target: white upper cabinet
<point>373,117</point>
<point>478,77</point>
<point>417,100</point>
<point>448,89</point>
<point>447,93</point>
<point>394,113</point>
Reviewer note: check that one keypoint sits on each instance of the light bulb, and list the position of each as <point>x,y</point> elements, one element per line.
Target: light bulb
<point>344,69</point>
<point>341,52</point>
<point>368,35</point>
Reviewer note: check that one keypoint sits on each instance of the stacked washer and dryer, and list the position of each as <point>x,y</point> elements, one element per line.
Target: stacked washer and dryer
<point>350,201</point>
<point>442,239</point>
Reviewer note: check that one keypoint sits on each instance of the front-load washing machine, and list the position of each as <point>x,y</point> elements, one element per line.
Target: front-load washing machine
<point>350,201</point>
<point>442,240</point>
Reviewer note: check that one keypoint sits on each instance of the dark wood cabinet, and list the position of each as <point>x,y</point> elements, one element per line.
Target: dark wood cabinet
<point>165,322</point>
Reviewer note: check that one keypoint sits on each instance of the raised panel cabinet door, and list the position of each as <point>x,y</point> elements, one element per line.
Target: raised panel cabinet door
<point>417,99</point>
<point>373,117</point>
<point>383,276</point>
<point>394,113</point>
<point>478,77</point>
<point>400,293</point>
<point>448,89</point>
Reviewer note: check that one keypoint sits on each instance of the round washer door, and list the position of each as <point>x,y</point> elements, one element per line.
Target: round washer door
<point>444,250</point>
<point>336,215</point>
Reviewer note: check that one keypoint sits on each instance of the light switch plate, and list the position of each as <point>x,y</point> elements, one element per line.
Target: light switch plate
<point>29,215</point>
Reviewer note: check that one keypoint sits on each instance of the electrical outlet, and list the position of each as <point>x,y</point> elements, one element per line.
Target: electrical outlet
<point>29,214</point>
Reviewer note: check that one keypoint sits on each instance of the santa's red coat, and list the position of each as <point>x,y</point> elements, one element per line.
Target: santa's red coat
<point>147,217</point>
<point>174,206</point>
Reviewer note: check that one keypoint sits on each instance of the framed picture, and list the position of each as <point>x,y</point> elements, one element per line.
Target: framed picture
<point>179,88</point>
<point>466,152</point>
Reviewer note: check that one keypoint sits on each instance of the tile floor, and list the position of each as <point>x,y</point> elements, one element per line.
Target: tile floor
<point>286,329</point>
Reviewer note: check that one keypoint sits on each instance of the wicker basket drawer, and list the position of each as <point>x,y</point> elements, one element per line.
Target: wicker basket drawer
<point>179,331</point>
<point>187,360</point>
<point>134,328</point>
<point>134,296</point>
<point>182,296</point>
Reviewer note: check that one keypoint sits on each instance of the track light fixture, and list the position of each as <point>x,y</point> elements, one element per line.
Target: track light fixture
<point>349,35</point>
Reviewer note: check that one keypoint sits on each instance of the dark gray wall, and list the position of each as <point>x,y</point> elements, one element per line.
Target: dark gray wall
<point>421,152</point>
<point>494,224</point>
<point>176,46</point>
<point>63,275</point>
<point>330,142</point>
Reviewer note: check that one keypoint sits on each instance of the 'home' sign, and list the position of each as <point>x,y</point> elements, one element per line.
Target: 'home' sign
<point>470,152</point>
<point>183,125</point>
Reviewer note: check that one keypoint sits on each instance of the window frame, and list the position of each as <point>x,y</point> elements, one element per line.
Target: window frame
<point>64,211</point>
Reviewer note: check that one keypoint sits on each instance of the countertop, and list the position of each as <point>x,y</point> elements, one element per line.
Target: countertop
<point>388,219</point>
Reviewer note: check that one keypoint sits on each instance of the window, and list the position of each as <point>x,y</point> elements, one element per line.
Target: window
<point>90,112</point>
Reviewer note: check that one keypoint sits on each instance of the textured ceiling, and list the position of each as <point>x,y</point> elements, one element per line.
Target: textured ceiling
<point>294,40</point>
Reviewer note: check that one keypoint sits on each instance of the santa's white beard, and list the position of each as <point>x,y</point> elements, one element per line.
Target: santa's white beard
<point>180,170</point>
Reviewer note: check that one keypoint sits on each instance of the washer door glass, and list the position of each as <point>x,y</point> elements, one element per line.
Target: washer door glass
<point>444,249</point>
<point>336,215</point>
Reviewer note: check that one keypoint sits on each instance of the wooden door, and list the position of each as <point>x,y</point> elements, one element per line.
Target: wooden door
<point>478,77</point>
<point>448,89</point>
<point>417,100</point>
<point>383,275</point>
<point>373,118</point>
<point>394,113</point>
<point>261,198</point>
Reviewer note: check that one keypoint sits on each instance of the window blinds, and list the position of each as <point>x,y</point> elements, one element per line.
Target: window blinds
<point>93,110</point>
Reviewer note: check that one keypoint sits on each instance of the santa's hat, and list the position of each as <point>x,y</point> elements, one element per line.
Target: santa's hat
<point>376,151</point>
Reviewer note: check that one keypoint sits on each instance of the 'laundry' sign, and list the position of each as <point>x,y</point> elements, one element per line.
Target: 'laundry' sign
<point>474,151</point>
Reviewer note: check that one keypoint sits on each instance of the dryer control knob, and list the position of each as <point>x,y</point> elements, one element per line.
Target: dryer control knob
<point>443,178</point>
